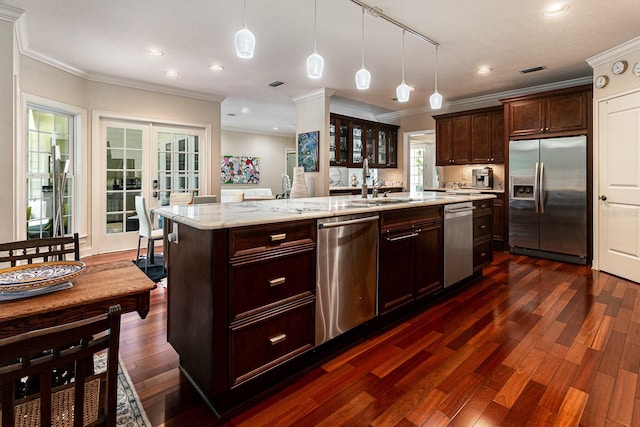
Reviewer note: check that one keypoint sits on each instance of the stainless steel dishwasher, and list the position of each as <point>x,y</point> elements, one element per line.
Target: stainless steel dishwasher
<point>458,242</point>
<point>346,285</point>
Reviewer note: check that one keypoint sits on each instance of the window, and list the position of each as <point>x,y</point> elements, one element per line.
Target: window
<point>416,178</point>
<point>49,172</point>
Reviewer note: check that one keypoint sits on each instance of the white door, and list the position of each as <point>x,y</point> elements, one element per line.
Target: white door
<point>121,172</point>
<point>140,159</point>
<point>619,186</point>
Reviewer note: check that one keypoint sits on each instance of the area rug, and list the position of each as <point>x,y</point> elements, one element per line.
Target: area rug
<point>130,410</point>
<point>155,270</point>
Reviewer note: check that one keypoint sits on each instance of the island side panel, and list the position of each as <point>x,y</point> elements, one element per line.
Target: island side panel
<point>197,304</point>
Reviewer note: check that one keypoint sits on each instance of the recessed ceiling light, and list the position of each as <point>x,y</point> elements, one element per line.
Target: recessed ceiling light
<point>484,69</point>
<point>275,128</point>
<point>556,9</point>
<point>154,52</point>
<point>171,73</point>
<point>244,110</point>
<point>216,67</point>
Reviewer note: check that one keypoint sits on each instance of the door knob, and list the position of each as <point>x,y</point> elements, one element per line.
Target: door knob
<point>603,197</point>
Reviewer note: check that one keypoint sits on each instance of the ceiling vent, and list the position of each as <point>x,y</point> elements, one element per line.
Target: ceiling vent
<point>533,69</point>
<point>276,83</point>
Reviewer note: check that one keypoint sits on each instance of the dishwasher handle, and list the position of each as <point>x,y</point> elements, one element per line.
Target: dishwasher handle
<point>458,210</point>
<point>322,225</point>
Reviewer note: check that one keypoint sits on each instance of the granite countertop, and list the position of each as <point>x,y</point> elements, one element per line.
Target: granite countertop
<point>237,214</point>
<point>359,187</point>
<point>472,189</point>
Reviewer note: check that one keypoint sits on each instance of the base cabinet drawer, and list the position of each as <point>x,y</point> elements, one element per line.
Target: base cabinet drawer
<point>260,285</point>
<point>482,253</point>
<point>268,341</point>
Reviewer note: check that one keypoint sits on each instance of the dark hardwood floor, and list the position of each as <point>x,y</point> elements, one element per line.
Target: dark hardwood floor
<point>534,343</point>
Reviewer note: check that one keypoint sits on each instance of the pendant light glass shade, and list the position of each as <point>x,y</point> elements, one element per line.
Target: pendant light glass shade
<point>403,90</point>
<point>436,99</point>
<point>244,39</point>
<point>315,65</point>
<point>363,79</point>
<point>315,62</point>
<point>363,76</point>
<point>245,43</point>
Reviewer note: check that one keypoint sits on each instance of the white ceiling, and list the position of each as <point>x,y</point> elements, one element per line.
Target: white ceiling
<point>106,41</point>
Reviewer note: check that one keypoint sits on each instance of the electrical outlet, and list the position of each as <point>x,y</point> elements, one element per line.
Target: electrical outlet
<point>464,176</point>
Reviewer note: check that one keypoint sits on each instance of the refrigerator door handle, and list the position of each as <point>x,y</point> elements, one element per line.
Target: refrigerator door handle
<point>541,186</point>
<point>536,198</point>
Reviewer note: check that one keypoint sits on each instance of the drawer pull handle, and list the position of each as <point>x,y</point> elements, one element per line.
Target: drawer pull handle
<point>483,254</point>
<point>482,227</point>
<point>277,339</point>
<point>278,237</point>
<point>277,282</point>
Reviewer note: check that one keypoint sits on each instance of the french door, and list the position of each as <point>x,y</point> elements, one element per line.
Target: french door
<point>138,159</point>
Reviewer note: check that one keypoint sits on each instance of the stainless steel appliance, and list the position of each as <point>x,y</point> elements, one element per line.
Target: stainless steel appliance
<point>482,178</point>
<point>548,198</point>
<point>347,284</point>
<point>458,242</point>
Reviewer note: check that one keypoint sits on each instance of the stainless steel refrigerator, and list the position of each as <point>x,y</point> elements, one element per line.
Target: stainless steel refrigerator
<point>548,198</point>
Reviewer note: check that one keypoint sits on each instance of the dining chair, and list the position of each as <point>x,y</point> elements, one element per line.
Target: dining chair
<point>199,200</point>
<point>85,397</point>
<point>146,230</point>
<point>40,250</point>
<point>182,198</point>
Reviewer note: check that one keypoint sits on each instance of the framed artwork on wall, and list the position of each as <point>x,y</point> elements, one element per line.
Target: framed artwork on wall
<point>240,170</point>
<point>308,150</point>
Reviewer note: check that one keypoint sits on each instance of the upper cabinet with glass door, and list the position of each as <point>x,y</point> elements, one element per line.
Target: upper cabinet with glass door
<point>351,140</point>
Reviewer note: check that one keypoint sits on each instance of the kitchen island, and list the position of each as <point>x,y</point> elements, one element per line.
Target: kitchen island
<point>242,282</point>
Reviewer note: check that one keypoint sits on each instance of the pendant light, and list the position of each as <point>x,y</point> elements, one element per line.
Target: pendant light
<point>244,40</point>
<point>402,91</point>
<point>436,99</point>
<point>363,76</point>
<point>315,62</point>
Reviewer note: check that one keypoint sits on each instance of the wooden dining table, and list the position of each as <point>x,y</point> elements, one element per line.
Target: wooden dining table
<point>94,290</point>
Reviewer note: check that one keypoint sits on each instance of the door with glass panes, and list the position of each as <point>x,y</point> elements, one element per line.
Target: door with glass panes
<point>141,160</point>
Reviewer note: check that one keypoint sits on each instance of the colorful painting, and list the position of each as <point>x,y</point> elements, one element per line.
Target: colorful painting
<point>308,151</point>
<point>240,170</point>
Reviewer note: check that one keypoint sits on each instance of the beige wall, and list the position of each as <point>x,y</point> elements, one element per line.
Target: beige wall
<point>270,149</point>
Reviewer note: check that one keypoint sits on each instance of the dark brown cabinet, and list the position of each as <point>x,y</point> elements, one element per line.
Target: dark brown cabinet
<point>482,234</point>
<point>410,256</point>
<point>487,136</point>
<point>554,113</point>
<point>470,137</point>
<point>351,140</point>
<point>498,220</point>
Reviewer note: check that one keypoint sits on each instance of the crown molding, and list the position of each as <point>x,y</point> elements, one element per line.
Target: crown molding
<point>137,84</point>
<point>484,100</point>
<point>614,53</point>
<point>323,92</point>
<point>10,14</point>
<point>281,134</point>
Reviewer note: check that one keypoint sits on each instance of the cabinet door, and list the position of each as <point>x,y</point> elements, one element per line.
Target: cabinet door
<point>481,139</point>
<point>498,219</point>
<point>332,142</point>
<point>566,112</point>
<point>393,149</point>
<point>526,117</point>
<point>461,140</point>
<point>343,143</point>
<point>444,135</point>
<point>356,144</point>
<point>396,279</point>
<point>382,147</point>
<point>371,142</point>
<point>428,259</point>
<point>497,137</point>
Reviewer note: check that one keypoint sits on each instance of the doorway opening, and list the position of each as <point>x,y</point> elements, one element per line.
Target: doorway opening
<point>423,173</point>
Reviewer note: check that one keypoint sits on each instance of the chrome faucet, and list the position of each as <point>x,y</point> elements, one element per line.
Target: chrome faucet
<point>365,175</point>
